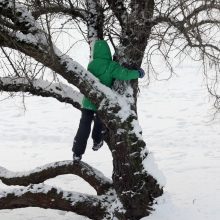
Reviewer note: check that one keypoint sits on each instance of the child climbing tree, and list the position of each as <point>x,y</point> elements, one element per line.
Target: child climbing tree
<point>134,28</point>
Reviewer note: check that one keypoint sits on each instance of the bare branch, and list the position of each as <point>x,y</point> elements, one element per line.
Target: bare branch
<point>95,178</point>
<point>94,21</point>
<point>191,28</point>
<point>204,7</point>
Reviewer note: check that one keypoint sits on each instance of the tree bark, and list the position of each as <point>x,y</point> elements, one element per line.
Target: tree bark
<point>134,186</point>
<point>49,197</point>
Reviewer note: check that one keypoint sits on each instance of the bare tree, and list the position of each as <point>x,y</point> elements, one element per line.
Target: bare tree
<point>136,29</point>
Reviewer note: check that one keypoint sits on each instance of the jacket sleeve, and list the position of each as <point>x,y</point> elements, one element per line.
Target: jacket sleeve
<point>89,67</point>
<point>122,73</point>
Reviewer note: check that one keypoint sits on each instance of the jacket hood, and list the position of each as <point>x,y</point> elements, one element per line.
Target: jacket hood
<point>101,50</point>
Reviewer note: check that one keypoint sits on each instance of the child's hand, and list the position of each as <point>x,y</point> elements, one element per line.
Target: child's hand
<point>141,73</point>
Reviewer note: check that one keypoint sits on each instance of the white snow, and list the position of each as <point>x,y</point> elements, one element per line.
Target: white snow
<point>152,168</point>
<point>38,188</point>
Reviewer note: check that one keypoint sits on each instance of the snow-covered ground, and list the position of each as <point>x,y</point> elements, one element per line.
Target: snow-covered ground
<point>176,117</point>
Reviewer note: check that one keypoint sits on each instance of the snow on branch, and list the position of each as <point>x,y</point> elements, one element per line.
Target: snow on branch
<point>94,177</point>
<point>44,196</point>
<point>43,88</point>
<point>93,21</point>
<point>19,16</point>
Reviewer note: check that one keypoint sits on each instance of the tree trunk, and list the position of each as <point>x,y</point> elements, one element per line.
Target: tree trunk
<point>134,186</point>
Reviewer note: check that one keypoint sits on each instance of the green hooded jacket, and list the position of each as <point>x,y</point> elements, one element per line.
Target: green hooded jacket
<point>106,70</point>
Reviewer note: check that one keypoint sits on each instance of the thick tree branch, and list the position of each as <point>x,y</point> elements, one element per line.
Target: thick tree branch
<point>95,21</point>
<point>43,88</point>
<point>95,178</point>
<point>119,10</point>
<point>49,197</point>
<point>60,9</point>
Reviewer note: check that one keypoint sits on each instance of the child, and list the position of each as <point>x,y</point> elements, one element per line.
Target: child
<point>106,70</point>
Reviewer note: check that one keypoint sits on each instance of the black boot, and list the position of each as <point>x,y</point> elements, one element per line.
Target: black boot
<point>97,146</point>
<point>76,158</point>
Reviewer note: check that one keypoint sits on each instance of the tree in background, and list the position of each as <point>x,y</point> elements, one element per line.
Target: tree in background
<point>138,30</point>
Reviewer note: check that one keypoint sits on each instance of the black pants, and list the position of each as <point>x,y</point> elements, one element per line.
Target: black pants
<point>82,135</point>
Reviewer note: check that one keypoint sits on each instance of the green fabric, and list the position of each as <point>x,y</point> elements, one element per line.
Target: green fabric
<point>106,70</point>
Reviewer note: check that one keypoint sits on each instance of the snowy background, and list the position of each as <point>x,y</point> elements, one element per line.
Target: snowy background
<point>177,121</point>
